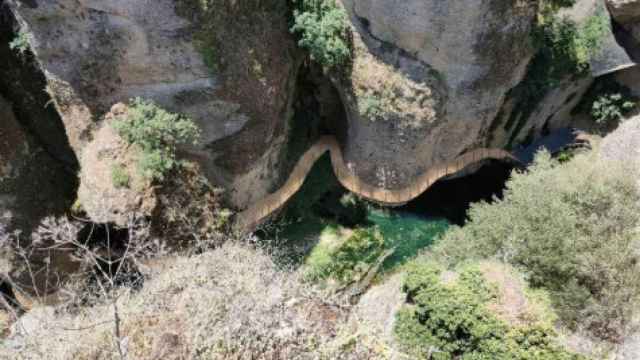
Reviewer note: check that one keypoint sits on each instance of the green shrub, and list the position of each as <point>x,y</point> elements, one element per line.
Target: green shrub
<point>592,33</point>
<point>565,155</point>
<point>158,134</point>
<point>606,101</point>
<point>20,43</point>
<point>345,260</point>
<point>565,48</point>
<point>548,8</point>
<point>610,108</point>
<point>564,51</point>
<point>120,177</point>
<point>572,228</point>
<point>371,107</point>
<point>323,28</point>
<point>202,14</point>
<point>452,321</point>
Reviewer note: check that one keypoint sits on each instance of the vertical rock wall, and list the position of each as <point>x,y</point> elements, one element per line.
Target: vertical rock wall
<point>37,166</point>
<point>448,66</point>
<point>95,53</point>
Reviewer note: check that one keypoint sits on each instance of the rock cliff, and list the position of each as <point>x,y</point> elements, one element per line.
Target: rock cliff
<point>236,85</point>
<point>453,61</point>
<point>427,81</point>
<point>37,167</point>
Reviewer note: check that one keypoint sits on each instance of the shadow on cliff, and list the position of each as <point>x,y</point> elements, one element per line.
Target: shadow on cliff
<point>44,182</point>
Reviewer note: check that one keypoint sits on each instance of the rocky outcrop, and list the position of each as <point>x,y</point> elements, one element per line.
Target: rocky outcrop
<point>113,190</point>
<point>235,83</point>
<point>106,157</point>
<point>624,11</point>
<point>95,53</point>
<point>626,15</point>
<point>429,81</point>
<point>36,164</point>
<point>623,145</point>
<point>539,105</point>
<point>256,60</point>
<point>454,62</point>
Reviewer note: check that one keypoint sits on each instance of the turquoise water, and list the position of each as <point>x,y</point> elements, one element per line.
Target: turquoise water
<point>406,232</point>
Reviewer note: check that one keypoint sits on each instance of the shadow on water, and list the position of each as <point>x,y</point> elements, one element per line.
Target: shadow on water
<point>451,199</point>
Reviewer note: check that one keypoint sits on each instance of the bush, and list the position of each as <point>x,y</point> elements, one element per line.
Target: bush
<point>566,48</point>
<point>564,51</point>
<point>323,29</point>
<point>592,33</point>
<point>344,260</point>
<point>371,107</point>
<point>452,321</point>
<point>610,108</point>
<point>158,134</point>
<point>120,177</point>
<point>572,229</point>
<point>606,101</point>
<point>20,43</point>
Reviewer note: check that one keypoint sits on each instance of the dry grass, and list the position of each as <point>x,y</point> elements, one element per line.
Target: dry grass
<point>384,93</point>
<point>229,303</point>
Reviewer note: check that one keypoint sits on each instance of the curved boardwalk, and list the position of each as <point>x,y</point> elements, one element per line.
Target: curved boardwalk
<point>261,210</point>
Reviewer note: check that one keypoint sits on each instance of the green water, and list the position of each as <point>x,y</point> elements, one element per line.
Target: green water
<point>406,232</point>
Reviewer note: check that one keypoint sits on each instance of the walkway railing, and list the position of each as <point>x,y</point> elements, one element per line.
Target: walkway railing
<point>261,210</point>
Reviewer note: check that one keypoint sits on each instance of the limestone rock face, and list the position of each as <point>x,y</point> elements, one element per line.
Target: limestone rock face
<point>13,144</point>
<point>469,42</point>
<point>95,53</point>
<point>624,11</point>
<point>32,183</point>
<point>458,60</point>
<point>627,14</point>
<point>36,164</point>
<point>525,118</point>
<point>623,145</point>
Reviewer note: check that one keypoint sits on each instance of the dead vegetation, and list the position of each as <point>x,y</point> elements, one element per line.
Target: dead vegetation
<point>228,303</point>
<point>383,93</point>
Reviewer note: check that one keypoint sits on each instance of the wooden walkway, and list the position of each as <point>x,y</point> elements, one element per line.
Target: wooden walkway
<point>250,218</point>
